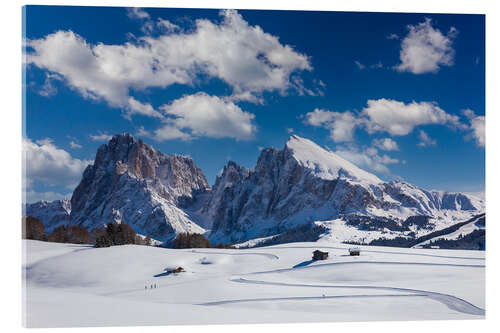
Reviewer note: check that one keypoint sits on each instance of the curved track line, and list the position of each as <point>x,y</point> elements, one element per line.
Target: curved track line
<point>368,262</point>
<point>305,298</point>
<point>267,255</point>
<point>452,302</point>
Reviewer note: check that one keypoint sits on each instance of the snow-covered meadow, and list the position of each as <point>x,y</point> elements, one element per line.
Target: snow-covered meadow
<point>78,285</point>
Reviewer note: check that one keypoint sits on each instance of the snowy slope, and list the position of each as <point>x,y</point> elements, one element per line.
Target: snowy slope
<point>326,164</point>
<point>75,285</point>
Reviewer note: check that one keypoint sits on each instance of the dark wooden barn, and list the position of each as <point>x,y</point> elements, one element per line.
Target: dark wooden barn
<point>354,251</point>
<point>320,255</point>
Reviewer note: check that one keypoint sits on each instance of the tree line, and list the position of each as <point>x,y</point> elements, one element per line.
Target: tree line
<point>111,234</point>
<point>186,240</point>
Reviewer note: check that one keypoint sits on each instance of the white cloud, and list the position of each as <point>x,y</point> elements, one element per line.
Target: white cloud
<point>395,118</point>
<point>167,25</point>
<point>100,137</point>
<point>137,13</point>
<point>48,89</point>
<point>385,144</point>
<point>398,118</point>
<point>340,124</point>
<point>75,145</point>
<point>54,166</point>
<point>170,132</point>
<point>392,36</point>
<point>204,115</point>
<point>32,196</point>
<point>425,49</point>
<point>136,107</point>
<point>289,130</point>
<point>382,115</point>
<point>478,130</point>
<point>248,59</point>
<point>425,140</point>
<point>477,126</point>
<point>368,159</point>
<point>360,65</point>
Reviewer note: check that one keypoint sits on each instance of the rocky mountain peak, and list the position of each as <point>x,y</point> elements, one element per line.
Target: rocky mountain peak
<point>131,181</point>
<point>325,163</point>
<point>231,173</point>
<point>52,213</point>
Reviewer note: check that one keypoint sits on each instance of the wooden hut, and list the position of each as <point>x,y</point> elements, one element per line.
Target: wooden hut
<point>175,271</point>
<point>320,255</point>
<point>354,251</point>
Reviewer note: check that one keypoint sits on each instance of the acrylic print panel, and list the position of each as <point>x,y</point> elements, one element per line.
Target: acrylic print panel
<point>206,166</point>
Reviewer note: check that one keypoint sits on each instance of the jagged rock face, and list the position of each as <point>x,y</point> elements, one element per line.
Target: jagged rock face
<point>131,182</point>
<point>277,195</point>
<point>303,183</point>
<point>162,195</point>
<point>52,214</point>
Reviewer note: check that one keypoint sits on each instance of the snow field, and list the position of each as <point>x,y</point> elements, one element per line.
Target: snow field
<point>73,285</point>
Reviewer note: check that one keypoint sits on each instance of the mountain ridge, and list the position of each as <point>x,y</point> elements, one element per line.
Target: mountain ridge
<point>163,195</point>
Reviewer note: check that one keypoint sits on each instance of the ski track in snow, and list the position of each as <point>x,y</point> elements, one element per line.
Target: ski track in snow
<point>452,302</point>
<point>305,298</point>
<point>375,251</point>
<point>280,270</point>
<point>267,255</point>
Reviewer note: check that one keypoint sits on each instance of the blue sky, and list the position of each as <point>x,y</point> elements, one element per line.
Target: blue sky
<point>400,95</point>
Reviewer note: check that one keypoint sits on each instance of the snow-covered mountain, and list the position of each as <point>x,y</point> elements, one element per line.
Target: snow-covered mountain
<point>304,182</point>
<point>132,182</point>
<point>51,213</point>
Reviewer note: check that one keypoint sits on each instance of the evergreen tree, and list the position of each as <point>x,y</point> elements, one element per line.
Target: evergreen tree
<point>32,228</point>
<point>186,240</point>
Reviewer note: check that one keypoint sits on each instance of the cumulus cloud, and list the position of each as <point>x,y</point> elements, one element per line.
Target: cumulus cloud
<point>204,115</point>
<point>100,137</point>
<point>45,162</point>
<point>369,158</point>
<point>382,115</point>
<point>478,130</point>
<point>425,49</point>
<point>170,132</point>
<point>137,13</point>
<point>385,144</point>
<point>425,140</point>
<point>167,26</point>
<point>74,145</point>
<point>398,118</point>
<point>340,124</point>
<point>395,118</point>
<point>477,126</point>
<point>248,59</point>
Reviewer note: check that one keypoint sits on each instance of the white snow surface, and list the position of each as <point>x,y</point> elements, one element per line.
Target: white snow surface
<point>326,164</point>
<point>77,285</point>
